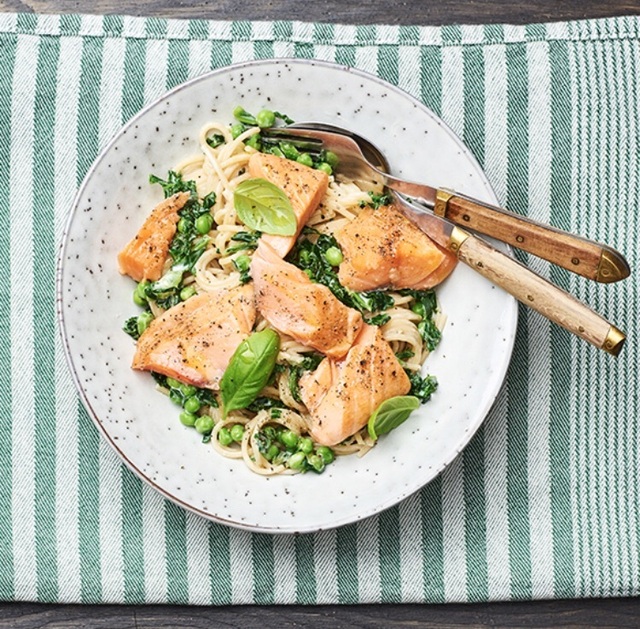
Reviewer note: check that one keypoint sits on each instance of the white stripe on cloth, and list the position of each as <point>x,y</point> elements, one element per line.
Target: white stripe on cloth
<point>454,557</point>
<point>284,562</point>
<point>368,543</point>
<point>154,546</point>
<point>539,400</point>
<point>495,496</point>
<point>411,557</point>
<point>197,532</point>
<point>495,150</point>
<point>21,291</point>
<point>109,122</point>
<point>453,502</point>
<point>199,57</point>
<point>155,74</point>
<point>409,70</point>
<point>326,569</point>
<point>241,567</point>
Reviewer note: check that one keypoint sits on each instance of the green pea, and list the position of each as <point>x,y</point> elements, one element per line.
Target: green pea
<point>188,419</point>
<point>172,383</point>
<point>224,437</point>
<point>204,424</point>
<point>204,222</point>
<point>289,439</point>
<point>187,291</point>
<point>333,256</point>
<point>242,115</point>
<point>192,404</point>
<point>326,453</point>
<point>139,297</point>
<point>297,460</point>
<point>237,432</point>
<point>325,168</point>
<point>305,445</point>
<point>316,462</point>
<point>137,300</point>
<point>176,397</point>
<point>243,262</point>
<point>254,141</point>
<point>289,150</point>
<point>305,256</point>
<point>265,118</point>
<point>143,321</point>
<point>271,452</point>
<point>331,158</point>
<point>187,389</point>
<point>305,159</point>
<point>237,129</point>
<point>184,225</point>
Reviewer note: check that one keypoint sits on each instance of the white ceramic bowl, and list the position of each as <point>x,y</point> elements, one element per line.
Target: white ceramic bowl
<point>94,301</point>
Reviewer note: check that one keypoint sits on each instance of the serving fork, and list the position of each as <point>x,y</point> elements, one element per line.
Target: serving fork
<point>360,160</point>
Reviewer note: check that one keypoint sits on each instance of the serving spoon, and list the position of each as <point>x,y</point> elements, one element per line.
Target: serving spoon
<point>519,281</point>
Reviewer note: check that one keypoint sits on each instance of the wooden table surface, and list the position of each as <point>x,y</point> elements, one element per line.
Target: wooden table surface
<point>583,614</point>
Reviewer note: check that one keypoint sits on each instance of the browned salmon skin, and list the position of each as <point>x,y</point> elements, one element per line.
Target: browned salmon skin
<point>342,394</point>
<point>194,341</point>
<point>384,249</point>
<point>304,187</point>
<point>296,306</point>
<point>143,258</point>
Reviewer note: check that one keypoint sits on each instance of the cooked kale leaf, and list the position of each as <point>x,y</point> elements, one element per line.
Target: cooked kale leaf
<point>310,257</point>
<point>421,387</point>
<point>426,306</point>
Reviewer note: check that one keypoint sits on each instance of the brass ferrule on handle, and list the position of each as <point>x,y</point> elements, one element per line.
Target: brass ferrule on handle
<point>442,199</point>
<point>614,341</point>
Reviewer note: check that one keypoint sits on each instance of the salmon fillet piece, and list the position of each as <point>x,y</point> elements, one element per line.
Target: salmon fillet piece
<point>294,305</point>
<point>194,341</point>
<point>304,187</point>
<point>341,395</point>
<point>143,258</point>
<point>384,249</point>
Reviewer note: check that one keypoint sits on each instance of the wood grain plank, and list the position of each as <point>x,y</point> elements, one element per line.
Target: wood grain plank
<point>372,12</point>
<point>578,614</point>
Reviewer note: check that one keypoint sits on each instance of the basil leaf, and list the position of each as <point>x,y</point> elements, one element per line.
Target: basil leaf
<point>390,414</point>
<point>264,207</point>
<point>249,370</point>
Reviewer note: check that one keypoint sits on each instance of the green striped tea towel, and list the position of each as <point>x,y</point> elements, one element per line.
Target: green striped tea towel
<point>545,500</point>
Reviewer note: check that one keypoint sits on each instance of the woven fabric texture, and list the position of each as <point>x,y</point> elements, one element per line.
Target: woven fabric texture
<point>543,503</point>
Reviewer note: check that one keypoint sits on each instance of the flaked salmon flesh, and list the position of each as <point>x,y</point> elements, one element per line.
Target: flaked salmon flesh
<point>194,341</point>
<point>342,394</point>
<point>304,187</point>
<point>384,249</point>
<point>294,305</point>
<point>144,256</point>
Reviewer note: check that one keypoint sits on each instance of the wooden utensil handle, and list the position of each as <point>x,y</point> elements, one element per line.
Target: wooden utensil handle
<point>537,293</point>
<point>579,255</point>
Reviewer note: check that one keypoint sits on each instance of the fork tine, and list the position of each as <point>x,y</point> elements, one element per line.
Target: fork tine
<point>274,136</point>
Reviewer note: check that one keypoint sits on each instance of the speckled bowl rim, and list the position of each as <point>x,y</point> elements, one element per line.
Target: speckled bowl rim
<point>481,413</point>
